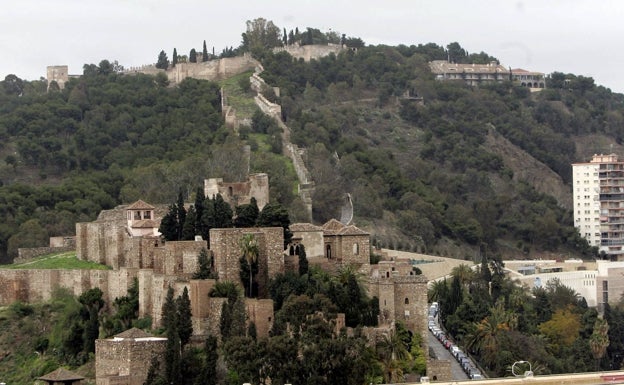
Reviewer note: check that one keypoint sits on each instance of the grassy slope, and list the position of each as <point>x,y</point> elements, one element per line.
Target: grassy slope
<point>66,260</point>
<point>24,330</point>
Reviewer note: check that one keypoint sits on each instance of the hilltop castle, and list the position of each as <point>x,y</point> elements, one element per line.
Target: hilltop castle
<point>127,239</point>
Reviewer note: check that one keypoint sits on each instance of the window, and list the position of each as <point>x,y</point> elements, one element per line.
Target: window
<point>406,301</point>
<point>147,215</point>
<point>137,215</point>
<point>356,249</point>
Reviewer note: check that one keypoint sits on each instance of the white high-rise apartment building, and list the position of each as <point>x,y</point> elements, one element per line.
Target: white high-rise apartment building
<point>598,188</point>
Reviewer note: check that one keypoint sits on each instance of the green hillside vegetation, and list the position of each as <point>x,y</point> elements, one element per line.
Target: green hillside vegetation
<point>422,177</point>
<point>58,261</point>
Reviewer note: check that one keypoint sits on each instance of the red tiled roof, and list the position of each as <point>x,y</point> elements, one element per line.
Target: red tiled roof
<point>333,225</point>
<point>145,224</point>
<point>304,227</point>
<point>133,333</point>
<point>352,230</point>
<point>61,375</point>
<point>140,205</point>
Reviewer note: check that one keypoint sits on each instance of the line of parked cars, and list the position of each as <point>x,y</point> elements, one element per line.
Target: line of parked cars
<point>463,360</point>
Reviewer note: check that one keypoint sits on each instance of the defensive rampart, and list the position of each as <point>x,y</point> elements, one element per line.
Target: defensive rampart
<point>39,285</point>
<point>309,52</point>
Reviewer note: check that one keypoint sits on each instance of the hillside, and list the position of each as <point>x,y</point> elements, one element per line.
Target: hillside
<point>460,172</point>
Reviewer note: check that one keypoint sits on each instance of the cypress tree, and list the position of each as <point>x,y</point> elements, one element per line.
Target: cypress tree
<point>207,218</point>
<point>205,52</point>
<point>185,324</point>
<point>208,373</point>
<point>163,62</point>
<point>188,229</point>
<point>303,260</point>
<point>204,265</point>
<point>222,213</point>
<point>200,199</point>
<point>174,60</point>
<point>168,225</point>
<point>193,56</point>
<point>180,215</point>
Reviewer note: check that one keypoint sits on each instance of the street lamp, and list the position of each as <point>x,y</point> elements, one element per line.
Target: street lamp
<point>528,373</point>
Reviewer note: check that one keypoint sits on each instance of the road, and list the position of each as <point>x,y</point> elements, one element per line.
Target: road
<point>442,354</point>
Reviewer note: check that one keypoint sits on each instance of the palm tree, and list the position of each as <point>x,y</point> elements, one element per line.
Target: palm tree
<point>437,291</point>
<point>250,251</point>
<point>224,289</point>
<point>599,340</point>
<point>391,350</point>
<point>464,273</point>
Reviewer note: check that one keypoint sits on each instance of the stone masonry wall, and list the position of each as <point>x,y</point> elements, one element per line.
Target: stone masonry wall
<point>39,285</point>
<point>309,52</point>
<point>211,70</point>
<point>26,254</point>
<point>225,246</point>
<point>439,370</point>
<point>260,312</point>
<point>126,361</point>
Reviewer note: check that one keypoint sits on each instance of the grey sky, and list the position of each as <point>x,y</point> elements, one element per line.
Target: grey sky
<point>577,36</point>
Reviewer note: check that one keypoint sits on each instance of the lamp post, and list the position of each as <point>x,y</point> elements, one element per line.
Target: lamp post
<point>528,373</point>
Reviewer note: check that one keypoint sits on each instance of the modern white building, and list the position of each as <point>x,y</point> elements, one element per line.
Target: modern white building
<point>599,282</point>
<point>598,196</point>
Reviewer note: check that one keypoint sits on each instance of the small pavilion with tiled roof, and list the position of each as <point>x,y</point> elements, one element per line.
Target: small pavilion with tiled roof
<point>141,221</point>
<point>62,376</point>
<point>334,242</point>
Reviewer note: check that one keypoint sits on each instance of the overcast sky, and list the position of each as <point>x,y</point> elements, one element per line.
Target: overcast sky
<point>571,36</point>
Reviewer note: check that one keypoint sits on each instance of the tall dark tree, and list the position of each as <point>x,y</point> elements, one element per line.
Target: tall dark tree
<point>303,260</point>
<point>92,303</point>
<point>200,199</point>
<point>207,218</point>
<point>208,373</point>
<point>180,214</point>
<point>247,215</point>
<point>205,52</point>
<point>274,215</point>
<point>285,38</point>
<point>204,266</point>
<point>169,311</point>
<point>188,229</point>
<point>174,59</point>
<point>163,61</point>
<point>169,225</point>
<point>172,350</point>
<point>222,213</point>
<point>185,324</point>
<point>193,56</point>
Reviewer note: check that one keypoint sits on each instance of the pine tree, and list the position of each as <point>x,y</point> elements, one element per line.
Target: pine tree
<point>205,52</point>
<point>185,324</point>
<point>174,60</point>
<point>163,62</point>
<point>193,56</point>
